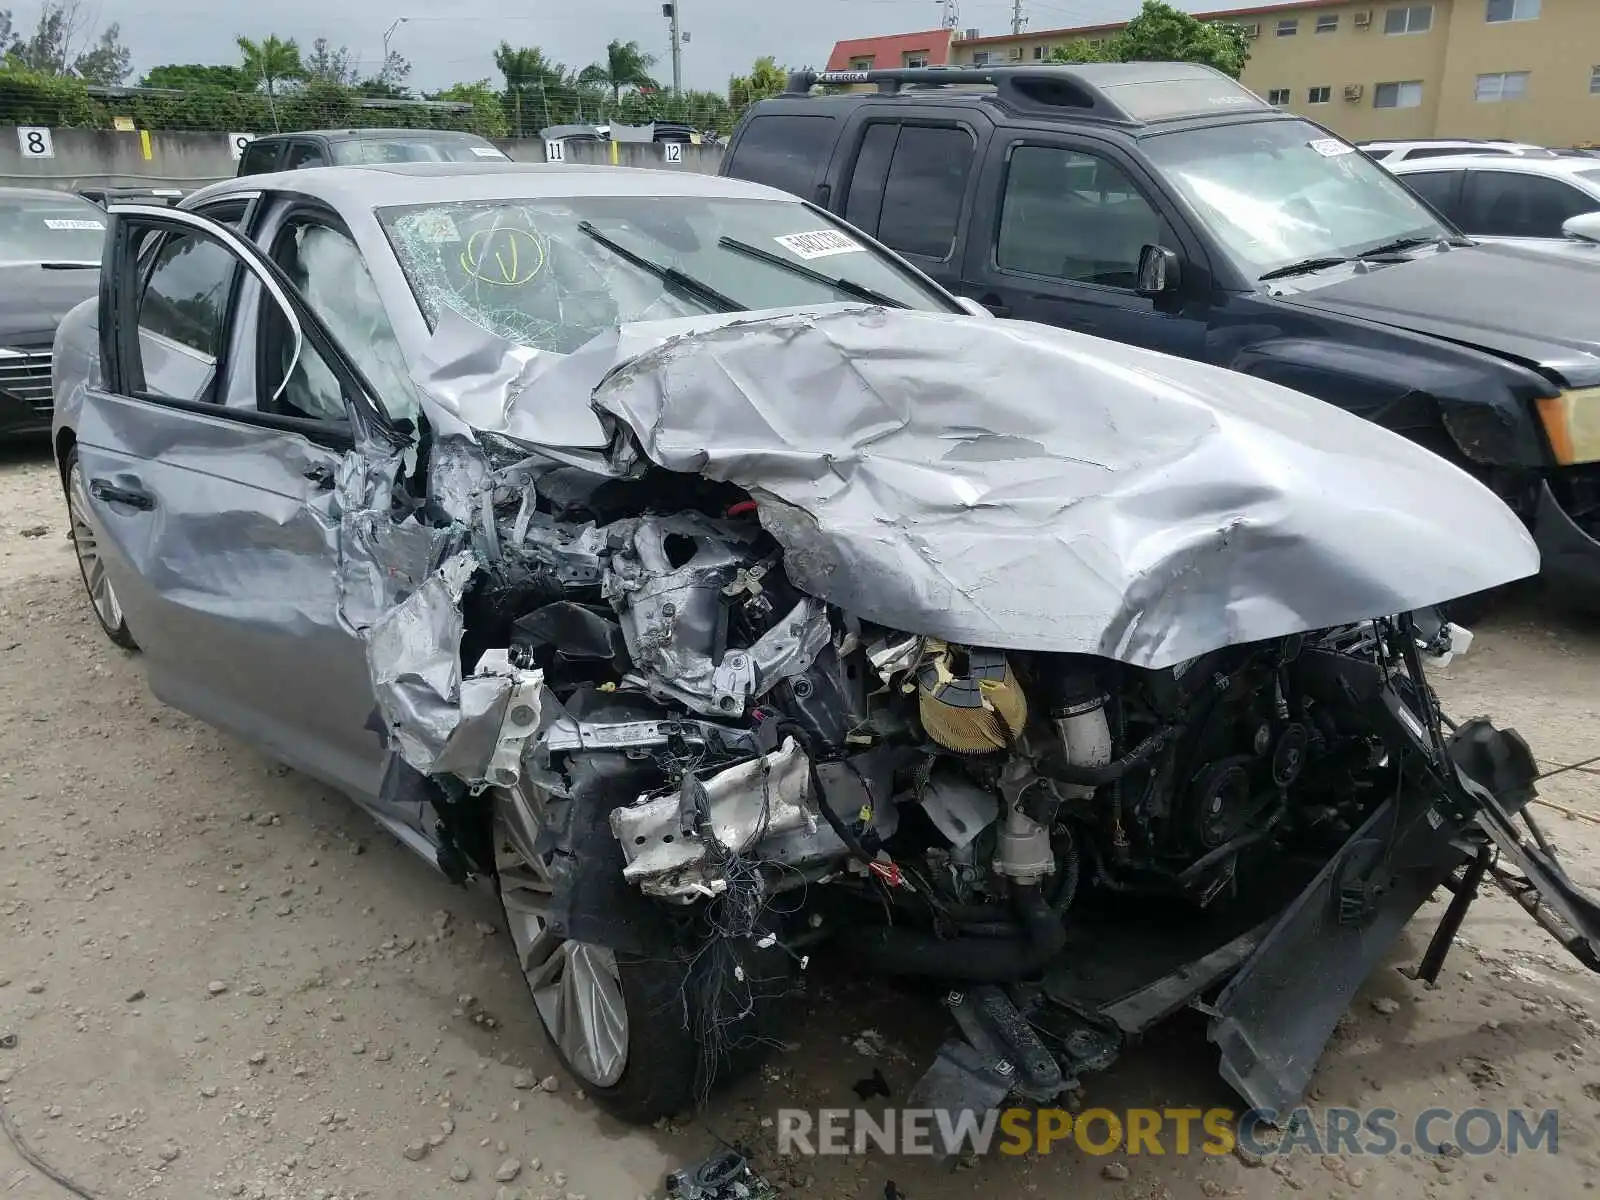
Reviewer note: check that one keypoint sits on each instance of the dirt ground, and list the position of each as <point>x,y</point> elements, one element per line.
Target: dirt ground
<point>224,981</point>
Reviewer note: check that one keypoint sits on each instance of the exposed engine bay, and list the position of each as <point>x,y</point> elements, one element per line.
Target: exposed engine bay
<point>775,774</point>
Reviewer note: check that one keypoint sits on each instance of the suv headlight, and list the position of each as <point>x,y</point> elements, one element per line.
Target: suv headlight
<point>1572,422</point>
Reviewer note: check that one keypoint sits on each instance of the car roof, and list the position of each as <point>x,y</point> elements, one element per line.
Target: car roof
<point>362,135</point>
<point>381,185</point>
<point>1558,166</point>
<point>1404,143</point>
<point>1133,96</point>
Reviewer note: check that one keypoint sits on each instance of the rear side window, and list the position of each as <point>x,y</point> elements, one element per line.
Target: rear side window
<point>1512,204</point>
<point>303,154</point>
<point>783,151</point>
<point>923,193</point>
<point>1441,189</point>
<point>259,157</point>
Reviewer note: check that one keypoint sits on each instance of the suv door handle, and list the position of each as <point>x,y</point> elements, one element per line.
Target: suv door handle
<point>995,305</point>
<point>320,474</point>
<point>104,489</point>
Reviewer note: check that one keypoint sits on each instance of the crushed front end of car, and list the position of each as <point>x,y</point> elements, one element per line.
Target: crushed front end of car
<point>1087,682</point>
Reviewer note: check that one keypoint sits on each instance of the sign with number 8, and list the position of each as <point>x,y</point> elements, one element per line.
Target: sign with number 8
<point>35,142</point>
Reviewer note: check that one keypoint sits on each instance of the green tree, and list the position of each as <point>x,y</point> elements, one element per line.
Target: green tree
<point>330,64</point>
<point>536,87</point>
<point>10,41</point>
<point>626,66</point>
<point>1082,50</point>
<point>188,76</point>
<point>108,61</point>
<point>271,61</point>
<point>1161,33</point>
<point>488,115</point>
<point>766,78</point>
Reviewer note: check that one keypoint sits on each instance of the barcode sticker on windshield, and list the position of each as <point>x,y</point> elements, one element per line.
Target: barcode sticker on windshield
<point>73,224</point>
<point>820,244</point>
<point>487,152</point>
<point>1331,147</point>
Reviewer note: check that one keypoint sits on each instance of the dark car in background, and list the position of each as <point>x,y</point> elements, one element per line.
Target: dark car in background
<point>50,245</point>
<point>1167,206</point>
<point>355,147</point>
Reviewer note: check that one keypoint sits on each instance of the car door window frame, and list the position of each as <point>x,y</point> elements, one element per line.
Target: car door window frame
<point>997,172</point>
<point>300,207</point>
<point>299,144</point>
<point>857,134</point>
<point>119,338</point>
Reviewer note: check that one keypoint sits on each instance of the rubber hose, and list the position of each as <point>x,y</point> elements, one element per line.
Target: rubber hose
<point>1056,767</point>
<point>892,950</point>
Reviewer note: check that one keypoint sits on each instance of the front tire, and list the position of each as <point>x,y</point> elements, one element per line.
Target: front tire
<point>626,1027</point>
<point>103,602</point>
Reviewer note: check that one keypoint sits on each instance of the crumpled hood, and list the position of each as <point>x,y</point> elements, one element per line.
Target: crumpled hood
<point>1013,485</point>
<point>1535,305</point>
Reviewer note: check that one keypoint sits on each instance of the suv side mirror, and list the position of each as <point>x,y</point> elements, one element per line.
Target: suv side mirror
<point>1160,271</point>
<point>1585,227</point>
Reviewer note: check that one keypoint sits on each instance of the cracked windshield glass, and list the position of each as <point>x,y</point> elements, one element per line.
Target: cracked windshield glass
<point>553,273</point>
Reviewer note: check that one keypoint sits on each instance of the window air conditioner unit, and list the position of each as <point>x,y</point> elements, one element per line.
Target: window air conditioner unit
<point>1362,19</point>
<point>1253,31</point>
<point>1354,91</point>
<point>1015,54</point>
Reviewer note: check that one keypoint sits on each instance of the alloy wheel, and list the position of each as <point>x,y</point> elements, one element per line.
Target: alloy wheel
<point>576,986</point>
<point>101,594</point>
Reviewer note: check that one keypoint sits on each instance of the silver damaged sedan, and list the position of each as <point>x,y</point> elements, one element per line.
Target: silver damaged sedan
<point>673,557</point>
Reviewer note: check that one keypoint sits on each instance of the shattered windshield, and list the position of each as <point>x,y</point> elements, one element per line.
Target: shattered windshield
<point>45,229</point>
<point>1280,192</point>
<point>554,272</point>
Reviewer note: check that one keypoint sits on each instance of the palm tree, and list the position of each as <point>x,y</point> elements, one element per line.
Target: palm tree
<point>271,61</point>
<point>626,65</point>
<point>766,78</point>
<point>528,70</point>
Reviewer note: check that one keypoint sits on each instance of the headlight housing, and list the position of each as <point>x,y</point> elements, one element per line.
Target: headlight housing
<point>1572,423</point>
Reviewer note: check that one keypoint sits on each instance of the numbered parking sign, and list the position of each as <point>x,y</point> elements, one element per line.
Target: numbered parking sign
<point>674,152</point>
<point>238,141</point>
<point>555,151</point>
<point>35,142</point>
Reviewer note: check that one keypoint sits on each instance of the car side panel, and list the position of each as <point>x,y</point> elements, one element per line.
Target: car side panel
<point>229,581</point>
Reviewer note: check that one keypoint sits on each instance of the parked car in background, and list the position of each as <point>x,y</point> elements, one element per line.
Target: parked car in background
<point>1392,152</point>
<point>1506,199</point>
<point>352,147</point>
<point>1166,205</point>
<point>132,195</point>
<point>50,245</point>
<point>710,580</point>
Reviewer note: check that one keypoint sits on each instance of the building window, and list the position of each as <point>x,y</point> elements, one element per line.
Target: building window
<point>1319,95</point>
<point>980,58</point>
<point>1289,27</point>
<point>919,59</point>
<point>1511,10</point>
<point>1501,85</point>
<point>1328,23</point>
<point>861,64</point>
<point>1413,18</point>
<point>1038,53</point>
<point>1398,95</point>
<point>1594,81</point>
<point>1278,97</point>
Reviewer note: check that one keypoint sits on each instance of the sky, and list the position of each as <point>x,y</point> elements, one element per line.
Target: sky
<point>451,40</point>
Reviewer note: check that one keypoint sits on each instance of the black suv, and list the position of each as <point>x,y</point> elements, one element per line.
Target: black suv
<point>350,147</point>
<point>1167,206</point>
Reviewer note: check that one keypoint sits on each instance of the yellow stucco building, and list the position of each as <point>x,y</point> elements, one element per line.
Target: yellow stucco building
<point>1522,69</point>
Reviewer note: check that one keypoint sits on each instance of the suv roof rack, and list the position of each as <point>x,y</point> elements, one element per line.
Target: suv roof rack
<point>1126,93</point>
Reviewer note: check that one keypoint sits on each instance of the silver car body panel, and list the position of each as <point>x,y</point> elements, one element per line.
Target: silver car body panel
<point>991,482</point>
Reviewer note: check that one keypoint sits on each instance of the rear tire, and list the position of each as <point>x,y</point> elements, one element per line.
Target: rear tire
<point>103,601</point>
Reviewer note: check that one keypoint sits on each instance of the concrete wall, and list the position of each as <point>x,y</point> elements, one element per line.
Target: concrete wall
<point>104,158</point>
